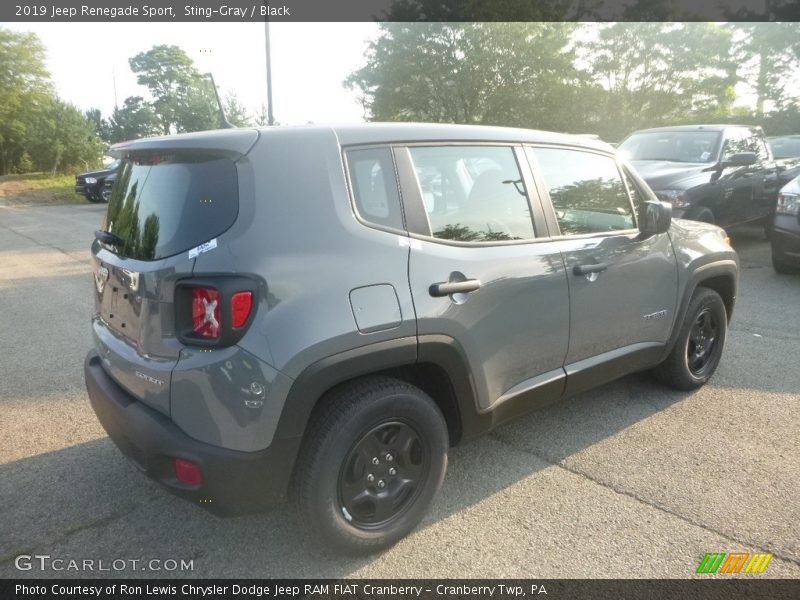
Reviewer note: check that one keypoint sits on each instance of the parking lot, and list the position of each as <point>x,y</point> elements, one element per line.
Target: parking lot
<point>630,480</point>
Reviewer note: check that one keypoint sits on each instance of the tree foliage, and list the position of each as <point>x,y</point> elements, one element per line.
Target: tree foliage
<point>657,73</point>
<point>607,79</point>
<point>37,130</point>
<point>183,98</point>
<point>470,73</point>
<point>135,119</point>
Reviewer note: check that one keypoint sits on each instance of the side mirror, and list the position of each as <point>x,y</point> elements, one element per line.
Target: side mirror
<point>741,159</point>
<point>655,217</point>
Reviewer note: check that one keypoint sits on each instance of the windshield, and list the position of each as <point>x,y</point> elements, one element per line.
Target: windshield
<point>675,146</point>
<point>166,203</point>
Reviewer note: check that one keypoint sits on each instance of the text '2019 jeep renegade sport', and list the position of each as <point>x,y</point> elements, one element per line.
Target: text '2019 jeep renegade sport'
<point>325,310</point>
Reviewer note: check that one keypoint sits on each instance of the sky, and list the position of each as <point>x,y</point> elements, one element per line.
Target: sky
<point>309,63</point>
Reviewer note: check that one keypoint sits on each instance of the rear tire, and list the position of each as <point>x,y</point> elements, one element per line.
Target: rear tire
<point>373,458</point>
<point>699,345</point>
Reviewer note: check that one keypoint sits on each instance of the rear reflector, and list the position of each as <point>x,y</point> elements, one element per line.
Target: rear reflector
<point>241,304</point>
<point>206,312</point>
<point>188,472</point>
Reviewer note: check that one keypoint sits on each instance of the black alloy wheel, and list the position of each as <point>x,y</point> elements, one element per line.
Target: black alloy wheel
<point>383,474</point>
<point>701,343</point>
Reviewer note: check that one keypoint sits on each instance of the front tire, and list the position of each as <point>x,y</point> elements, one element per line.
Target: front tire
<point>373,458</point>
<point>699,345</point>
<point>782,267</point>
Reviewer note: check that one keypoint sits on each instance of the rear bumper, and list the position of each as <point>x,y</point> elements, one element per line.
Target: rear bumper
<point>233,482</point>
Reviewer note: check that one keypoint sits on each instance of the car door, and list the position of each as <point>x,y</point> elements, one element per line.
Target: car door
<point>622,284</point>
<point>479,273</point>
<point>742,186</point>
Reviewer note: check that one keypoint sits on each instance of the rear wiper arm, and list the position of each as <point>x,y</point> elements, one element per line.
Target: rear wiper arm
<point>109,238</point>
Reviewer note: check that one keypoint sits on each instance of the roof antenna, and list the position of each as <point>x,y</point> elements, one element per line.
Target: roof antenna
<point>223,121</point>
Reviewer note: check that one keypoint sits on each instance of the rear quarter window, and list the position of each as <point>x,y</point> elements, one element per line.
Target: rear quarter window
<point>164,204</point>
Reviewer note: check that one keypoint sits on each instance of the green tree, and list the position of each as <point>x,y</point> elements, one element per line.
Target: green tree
<point>651,74</point>
<point>236,113</point>
<point>518,74</point>
<point>199,112</point>
<point>136,119</point>
<point>101,125</point>
<point>63,139</point>
<point>60,137</point>
<point>24,90</point>
<point>176,86</point>
<point>768,52</point>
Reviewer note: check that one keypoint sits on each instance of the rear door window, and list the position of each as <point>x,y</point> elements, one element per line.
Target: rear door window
<point>473,193</point>
<point>166,203</point>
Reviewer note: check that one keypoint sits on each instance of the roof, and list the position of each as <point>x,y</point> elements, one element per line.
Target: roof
<point>366,133</point>
<point>241,139</point>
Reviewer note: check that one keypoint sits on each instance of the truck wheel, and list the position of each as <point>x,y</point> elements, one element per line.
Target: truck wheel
<point>701,338</point>
<point>105,193</point>
<point>373,458</point>
<point>782,267</point>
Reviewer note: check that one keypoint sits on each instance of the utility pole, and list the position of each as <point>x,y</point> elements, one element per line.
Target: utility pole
<point>114,80</point>
<point>270,116</point>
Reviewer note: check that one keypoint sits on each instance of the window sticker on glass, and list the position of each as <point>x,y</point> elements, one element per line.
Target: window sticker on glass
<point>209,245</point>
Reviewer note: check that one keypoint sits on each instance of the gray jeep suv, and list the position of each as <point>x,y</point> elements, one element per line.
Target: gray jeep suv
<point>324,311</point>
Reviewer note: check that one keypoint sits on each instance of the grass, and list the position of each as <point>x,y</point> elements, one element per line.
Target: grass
<point>38,188</point>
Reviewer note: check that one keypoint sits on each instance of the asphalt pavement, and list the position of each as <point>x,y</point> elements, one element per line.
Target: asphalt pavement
<point>629,480</point>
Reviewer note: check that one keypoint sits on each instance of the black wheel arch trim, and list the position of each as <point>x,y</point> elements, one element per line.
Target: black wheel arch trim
<point>727,268</point>
<point>318,378</point>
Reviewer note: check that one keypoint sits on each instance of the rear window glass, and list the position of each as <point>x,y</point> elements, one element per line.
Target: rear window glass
<point>163,204</point>
<point>375,186</point>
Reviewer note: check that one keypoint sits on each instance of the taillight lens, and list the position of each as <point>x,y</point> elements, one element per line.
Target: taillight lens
<point>188,472</point>
<point>241,305</point>
<point>206,312</point>
<point>788,204</point>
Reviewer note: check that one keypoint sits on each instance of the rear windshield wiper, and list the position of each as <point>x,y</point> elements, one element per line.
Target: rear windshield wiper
<point>109,238</point>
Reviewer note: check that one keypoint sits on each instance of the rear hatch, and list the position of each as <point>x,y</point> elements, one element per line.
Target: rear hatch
<point>168,203</point>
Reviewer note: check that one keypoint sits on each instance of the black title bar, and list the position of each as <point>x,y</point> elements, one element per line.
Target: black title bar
<point>403,589</point>
<point>396,10</point>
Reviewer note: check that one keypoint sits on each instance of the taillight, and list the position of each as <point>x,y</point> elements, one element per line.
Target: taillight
<point>241,304</point>
<point>206,312</point>
<point>188,472</point>
<point>214,310</point>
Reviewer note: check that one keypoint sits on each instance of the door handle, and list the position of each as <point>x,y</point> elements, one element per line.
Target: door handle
<point>586,269</point>
<point>446,288</point>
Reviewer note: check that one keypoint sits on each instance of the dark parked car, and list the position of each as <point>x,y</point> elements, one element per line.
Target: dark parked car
<point>784,235</point>
<point>97,185</point>
<point>723,174</point>
<point>326,310</point>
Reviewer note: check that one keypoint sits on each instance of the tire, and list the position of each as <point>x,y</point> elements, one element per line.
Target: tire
<point>782,267</point>
<point>105,193</point>
<point>94,198</point>
<point>698,348</point>
<point>347,491</point>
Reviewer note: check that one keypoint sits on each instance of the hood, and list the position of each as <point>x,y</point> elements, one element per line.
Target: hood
<point>669,175</point>
<point>98,173</point>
